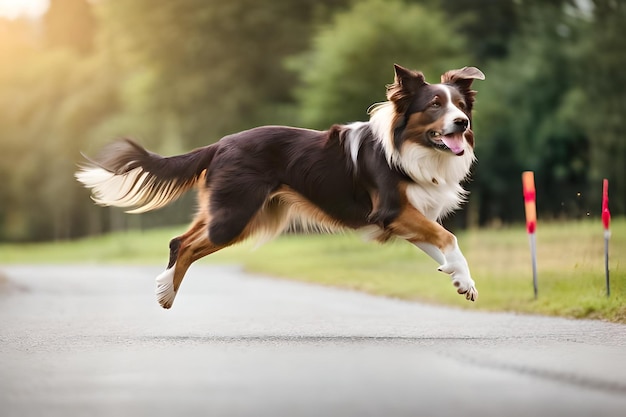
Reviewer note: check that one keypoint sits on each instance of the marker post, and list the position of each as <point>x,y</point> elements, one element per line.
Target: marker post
<point>606,221</point>
<point>528,185</point>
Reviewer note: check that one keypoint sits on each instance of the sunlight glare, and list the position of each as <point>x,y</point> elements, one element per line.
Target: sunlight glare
<point>22,8</point>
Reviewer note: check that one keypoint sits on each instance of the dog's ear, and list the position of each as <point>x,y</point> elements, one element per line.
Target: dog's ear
<point>404,88</point>
<point>406,84</point>
<point>463,79</point>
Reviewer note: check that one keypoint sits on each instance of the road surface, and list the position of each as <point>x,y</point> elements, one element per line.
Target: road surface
<point>92,341</point>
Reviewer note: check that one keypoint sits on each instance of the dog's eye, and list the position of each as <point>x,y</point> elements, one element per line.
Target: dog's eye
<point>461,105</point>
<point>435,103</point>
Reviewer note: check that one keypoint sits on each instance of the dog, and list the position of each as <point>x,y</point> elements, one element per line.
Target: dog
<point>392,176</point>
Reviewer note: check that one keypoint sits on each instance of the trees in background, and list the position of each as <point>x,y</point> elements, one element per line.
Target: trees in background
<point>350,61</point>
<point>51,97</point>
<point>602,82</point>
<point>70,24</point>
<point>209,67</point>
<point>530,119</point>
<point>554,106</point>
<point>182,74</point>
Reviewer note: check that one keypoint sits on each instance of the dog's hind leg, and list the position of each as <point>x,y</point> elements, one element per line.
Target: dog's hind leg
<point>184,250</point>
<point>227,216</point>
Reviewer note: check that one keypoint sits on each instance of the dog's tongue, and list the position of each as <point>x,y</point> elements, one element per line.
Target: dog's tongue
<point>454,142</point>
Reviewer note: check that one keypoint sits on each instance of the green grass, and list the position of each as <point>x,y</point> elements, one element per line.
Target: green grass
<point>570,265</point>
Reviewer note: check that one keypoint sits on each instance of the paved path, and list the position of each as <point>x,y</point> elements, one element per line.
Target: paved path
<point>91,341</point>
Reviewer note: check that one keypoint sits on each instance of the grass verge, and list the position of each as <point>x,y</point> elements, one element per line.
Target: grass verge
<point>570,265</point>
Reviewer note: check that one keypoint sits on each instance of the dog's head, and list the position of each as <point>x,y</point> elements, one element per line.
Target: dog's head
<point>436,116</point>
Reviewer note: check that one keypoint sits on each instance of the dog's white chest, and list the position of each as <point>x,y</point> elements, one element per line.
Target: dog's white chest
<point>435,201</point>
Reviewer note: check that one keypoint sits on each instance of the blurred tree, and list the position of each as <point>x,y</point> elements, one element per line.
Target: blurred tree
<point>530,120</point>
<point>70,24</point>
<point>27,116</point>
<point>204,68</point>
<point>18,49</point>
<point>603,80</point>
<point>351,58</point>
<point>192,69</point>
<point>50,100</point>
<point>186,72</point>
<point>488,25</point>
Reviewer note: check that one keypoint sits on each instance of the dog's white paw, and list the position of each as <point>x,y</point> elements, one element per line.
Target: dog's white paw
<point>456,266</point>
<point>467,287</point>
<point>165,288</point>
<point>459,273</point>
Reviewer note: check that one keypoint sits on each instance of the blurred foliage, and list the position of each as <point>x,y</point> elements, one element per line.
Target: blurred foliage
<point>177,75</point>
<point>529,119</point>
<point>354,52</point>
<point>603,82</point>
<point>486,25</point>
<point>70,23</point>
<point>209,67</point>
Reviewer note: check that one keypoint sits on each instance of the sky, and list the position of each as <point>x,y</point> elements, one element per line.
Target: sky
<point>19,8</point>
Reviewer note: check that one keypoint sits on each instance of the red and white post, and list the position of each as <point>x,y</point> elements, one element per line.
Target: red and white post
<point>528,185</point>
<point>606,221</point>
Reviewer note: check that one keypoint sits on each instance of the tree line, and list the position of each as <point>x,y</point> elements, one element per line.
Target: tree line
<point>179,75</point>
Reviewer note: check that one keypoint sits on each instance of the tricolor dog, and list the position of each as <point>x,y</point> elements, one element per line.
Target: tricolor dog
<point>393,176</point>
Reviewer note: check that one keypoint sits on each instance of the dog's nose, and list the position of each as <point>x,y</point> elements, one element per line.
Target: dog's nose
<point>461,123</point>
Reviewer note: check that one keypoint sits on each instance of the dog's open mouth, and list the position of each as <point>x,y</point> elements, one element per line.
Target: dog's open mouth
<point>451,141</point>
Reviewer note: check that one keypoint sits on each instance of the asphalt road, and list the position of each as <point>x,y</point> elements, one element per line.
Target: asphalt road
<point>92,341</point>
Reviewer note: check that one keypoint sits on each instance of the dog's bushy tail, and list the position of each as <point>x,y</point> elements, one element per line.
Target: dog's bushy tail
<point>127,175</point>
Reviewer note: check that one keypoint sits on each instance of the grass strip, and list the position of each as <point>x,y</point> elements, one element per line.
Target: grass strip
<point>570,258</point>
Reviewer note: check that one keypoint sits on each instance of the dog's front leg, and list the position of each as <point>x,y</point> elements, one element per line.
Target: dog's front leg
<point>452,262</point>
<point>439,244</point>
